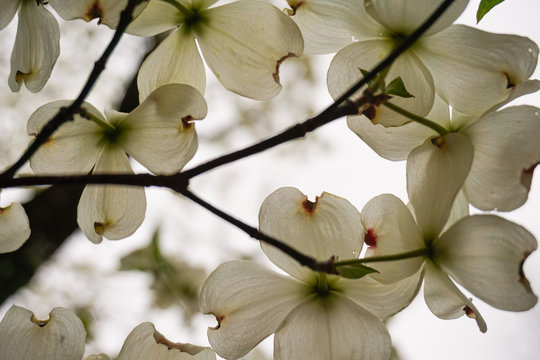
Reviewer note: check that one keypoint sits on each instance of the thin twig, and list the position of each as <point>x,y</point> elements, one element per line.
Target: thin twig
<point>66,114</point>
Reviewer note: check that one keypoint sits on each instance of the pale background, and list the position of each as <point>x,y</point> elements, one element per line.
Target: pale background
<point>332,159</point>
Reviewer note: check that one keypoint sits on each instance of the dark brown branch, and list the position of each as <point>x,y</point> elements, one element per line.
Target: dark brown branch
<point>66,114</point>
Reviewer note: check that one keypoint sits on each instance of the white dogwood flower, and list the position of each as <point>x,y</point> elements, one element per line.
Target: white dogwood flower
<point>145,343</point>
<point>37,43</point>
<point>159,134</point>
<point>483,253</point>
<point>14,227</point>
<point>24,337</point>
<point>243,42</point>
<point>313,315</point>
<point>505,148</point>
<point>470,69</point>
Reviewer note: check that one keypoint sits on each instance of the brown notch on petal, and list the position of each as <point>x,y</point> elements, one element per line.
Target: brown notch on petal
<point>278,64</point>
<point>219,319</point>
<point>160,339</point>
<point>99,228</point>
<point>438,141</point>
<point>40,323</point>
<point>309,206</point>
<point>294,6</point>
<point>469,312</point>
<point>95,11</point>
<point>370,238</point>
<point>370,112</point>
<point>527,175</point>
<point>186,124</point>
<point>522,279</point>
<point>21,76</point>
<point>509,83</point>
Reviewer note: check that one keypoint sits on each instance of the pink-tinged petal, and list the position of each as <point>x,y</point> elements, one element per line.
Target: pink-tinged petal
<point>175,61</point>
<point>390,230</point>
<point>14,227</point>
<point>111,211</point>
<point>9,8</point>
<point>37,46</point>
<point>474,70</point>
<point>329,25</point>
<point>249,303</point>
<point>106,11</point>
<point>328,227</point>
<point>403,17</point>
<point>345,71</point>
<point>73,148</point>
<point>485,254</point>
<point>436,172</point>
<point>445,300</point>
<point>160,132</point>
<point>23,337</point>
<point>145,343</point>
<point>382,300</point>
<point>331,328</point>
<point>245,42</point>
<point>506,151</point>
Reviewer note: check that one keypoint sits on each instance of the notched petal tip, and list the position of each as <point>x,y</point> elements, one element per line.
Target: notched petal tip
<point>160,339</point>
<point>95,11</point>
<point>522,279</point>
<point>527,175</point>
<point>294,4</point>
<point>219,319</point>
<point>40,323</point>
<point>278,64</point>
<point>99,228</point>
<point>308,206</point>
<point>187,122</point>
<point>370,238</point>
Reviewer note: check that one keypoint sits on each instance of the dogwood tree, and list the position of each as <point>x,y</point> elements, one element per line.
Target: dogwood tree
<point>413,86</point>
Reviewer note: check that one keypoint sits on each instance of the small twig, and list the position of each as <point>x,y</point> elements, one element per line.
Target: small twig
<point>66,114</point>
<point>312,263</point>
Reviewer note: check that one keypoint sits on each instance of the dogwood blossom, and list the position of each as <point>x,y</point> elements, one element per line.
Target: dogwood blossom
<point>313,315</point>
<point>483,253</point>
<point>37,43</point>
<point>14,227</point>
<point>23,337</point>
<point>159,134</point>
<point>145,342</point>
<point>366,31</point>
<point>243,42</point>
<point>505,149</point>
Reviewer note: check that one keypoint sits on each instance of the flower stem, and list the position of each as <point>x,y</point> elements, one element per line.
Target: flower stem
<point>184,10</point>
<point>401,256</point>
<point>426,122</point>
<point>322,284</point>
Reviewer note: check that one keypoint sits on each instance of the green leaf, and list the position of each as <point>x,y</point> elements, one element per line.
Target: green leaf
<point>355,271</point>
<point>397,88</point>
<point>371,83</point>
<point>484,7</point>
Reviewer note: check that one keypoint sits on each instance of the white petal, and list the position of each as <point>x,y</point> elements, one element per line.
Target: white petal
<point>249,302</point>
<point>390,230</point>
<point>403,17</point>
<point>175,60</point>
<point>73,148</point>
<point>382,300</point>
<point>23,337</point>
<point>37,46</point>
<point>485,254</point>
<point>345,71</point>
<point>98,357</point>
<point>460,209</point>
<point>506,150</point>
<point>14,227</point>
<point>157,17</point>
<point>519,90</point>
<point>435,174</point>
<point>112,211</point>
<point>334,328</point>
<point>244,44</point>
<point>474,70</point>
<point>9,8</point>
<point>329,25</point>
<point>145,342</point>
<point>330,226</point>
<point>445,300</point>
<point>160,134</point>
<point>106,11</point>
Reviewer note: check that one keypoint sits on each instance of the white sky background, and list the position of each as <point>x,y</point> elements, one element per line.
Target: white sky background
<point>332,159</point>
